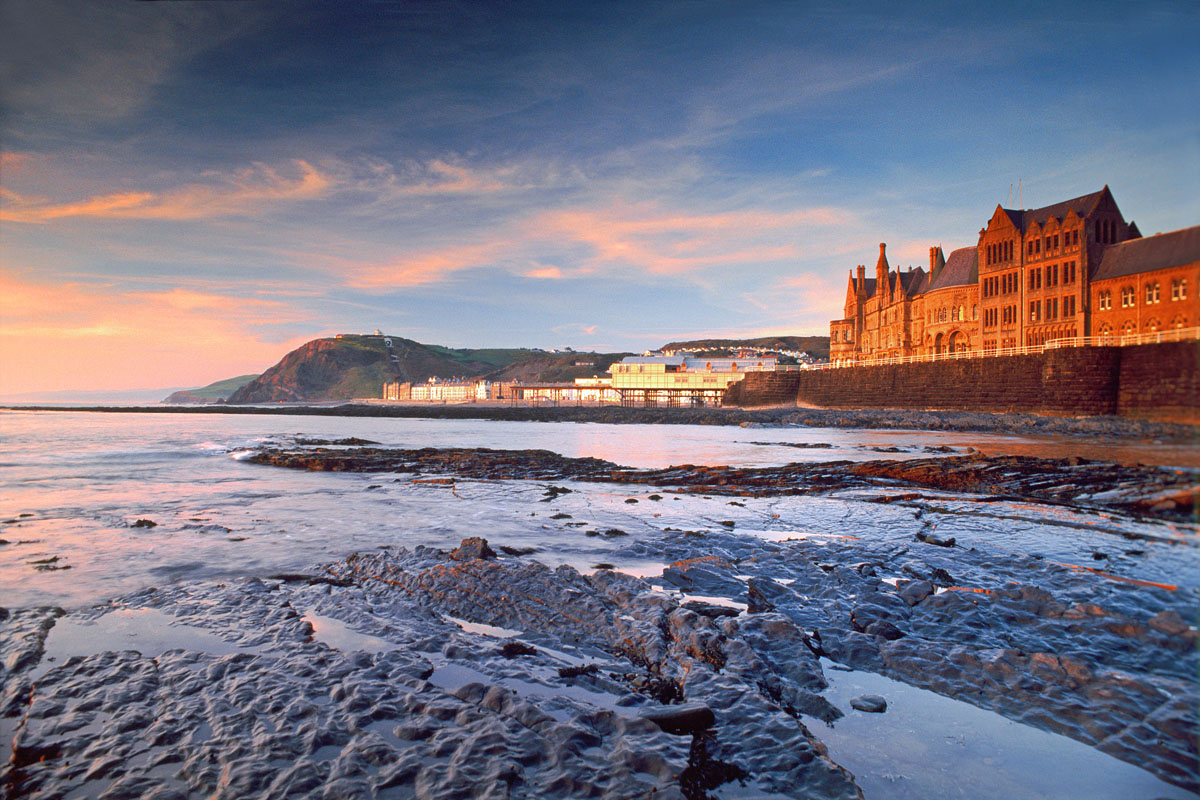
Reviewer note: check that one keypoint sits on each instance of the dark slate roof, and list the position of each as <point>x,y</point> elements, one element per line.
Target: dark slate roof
<point>962,269</point>
<point>1080,205</point>
<point>911,281</point>
<point>869,286</point>
<point>1150,253</point>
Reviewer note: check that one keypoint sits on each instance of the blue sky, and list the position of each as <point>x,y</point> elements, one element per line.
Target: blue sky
<point>190,189</point>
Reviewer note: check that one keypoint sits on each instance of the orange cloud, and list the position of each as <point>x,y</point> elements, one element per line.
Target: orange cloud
<point>245,192</point>
<point>550,273</point>
<point>80,336</point>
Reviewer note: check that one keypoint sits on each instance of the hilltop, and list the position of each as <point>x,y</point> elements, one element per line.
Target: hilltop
<point>816,346</point>
<point>352,366</point>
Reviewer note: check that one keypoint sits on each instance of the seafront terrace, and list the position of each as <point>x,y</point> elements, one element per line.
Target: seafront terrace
<point>1106,340</point>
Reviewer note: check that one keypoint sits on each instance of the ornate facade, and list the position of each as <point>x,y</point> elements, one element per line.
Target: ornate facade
<point>1065,271</point>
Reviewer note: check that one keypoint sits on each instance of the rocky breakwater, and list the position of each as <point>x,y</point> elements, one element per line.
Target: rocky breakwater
<point>1145,490</point>
<point>421,673</point>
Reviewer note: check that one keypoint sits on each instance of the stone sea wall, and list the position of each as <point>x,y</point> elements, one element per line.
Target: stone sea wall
<point>1155,381</point>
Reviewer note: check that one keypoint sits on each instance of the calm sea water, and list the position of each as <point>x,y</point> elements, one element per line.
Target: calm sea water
<point>73,483</point>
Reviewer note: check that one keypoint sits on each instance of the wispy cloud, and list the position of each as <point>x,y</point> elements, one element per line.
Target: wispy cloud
<point>247,191</point>
<point>638,240</point>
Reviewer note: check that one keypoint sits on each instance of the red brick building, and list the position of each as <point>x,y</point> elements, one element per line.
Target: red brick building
<point>1065,271</point>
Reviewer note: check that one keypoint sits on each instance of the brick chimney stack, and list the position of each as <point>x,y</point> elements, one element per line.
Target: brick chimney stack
<point>862,279</point>
<point>936,262</point>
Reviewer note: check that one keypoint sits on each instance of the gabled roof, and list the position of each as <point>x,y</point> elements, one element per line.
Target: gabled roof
<point>1082,206</point>
<point>962,269</point>
<point>1150,253</point>
<point>911,281</point>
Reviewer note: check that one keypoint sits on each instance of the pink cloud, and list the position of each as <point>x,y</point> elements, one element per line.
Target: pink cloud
<point>634,238</point>
<point>244,192</point>
<point>424,267</point>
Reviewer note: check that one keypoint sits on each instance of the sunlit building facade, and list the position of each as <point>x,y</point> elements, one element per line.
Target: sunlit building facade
<point>1061,273</point>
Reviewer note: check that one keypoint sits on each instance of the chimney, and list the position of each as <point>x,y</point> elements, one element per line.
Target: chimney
<point>936,262</point>
<point>881,269</point>
<point>862,278</point>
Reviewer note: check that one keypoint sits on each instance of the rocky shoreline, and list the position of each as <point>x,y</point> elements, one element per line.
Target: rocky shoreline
<point>480,671</point>
<point>882,419</point>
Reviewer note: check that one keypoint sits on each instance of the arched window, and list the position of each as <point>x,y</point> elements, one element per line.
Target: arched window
<point>1129,328</point>
<point>1152,325</point>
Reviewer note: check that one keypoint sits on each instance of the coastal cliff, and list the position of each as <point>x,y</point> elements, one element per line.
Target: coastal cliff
<point>349,367</point>
<point>217,392</point>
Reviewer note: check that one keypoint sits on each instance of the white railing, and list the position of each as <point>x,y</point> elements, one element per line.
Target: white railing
<point>1106,340</point>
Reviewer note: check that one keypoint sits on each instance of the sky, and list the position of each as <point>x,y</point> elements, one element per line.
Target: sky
<point>188,190</point>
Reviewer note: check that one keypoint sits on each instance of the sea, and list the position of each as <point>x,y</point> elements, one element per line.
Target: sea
<point>74,486</point>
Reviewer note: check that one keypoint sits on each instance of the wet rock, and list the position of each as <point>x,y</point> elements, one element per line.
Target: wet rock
<point>884,629</point>
<point>929,538</point>
<point>516,551</point>
<point>513,649</point>
<point>471,549</point>
<point>682,719</point>
<point>144,523</point>
<point>916,591</point>
<point>758,596</point>
<point>870,703</point>
<point>576,671</point>
<point>710,610</point>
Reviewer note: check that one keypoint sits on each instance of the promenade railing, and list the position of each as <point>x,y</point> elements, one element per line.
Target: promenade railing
<point>1103,340</point>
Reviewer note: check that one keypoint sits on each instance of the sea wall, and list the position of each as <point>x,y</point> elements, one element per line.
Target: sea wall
<point>1155,381</point>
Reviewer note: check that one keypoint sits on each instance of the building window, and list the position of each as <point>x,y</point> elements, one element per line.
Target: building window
<point>1128,298</point>
<point>1068,305</point>
<point>1056,241</point>
<point>1179,289</point>
<point>1151,293</point>
<point>1052,308</point>
<point>1035,310</point>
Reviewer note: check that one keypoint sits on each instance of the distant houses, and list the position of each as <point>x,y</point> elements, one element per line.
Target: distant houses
<point>657,380</point>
